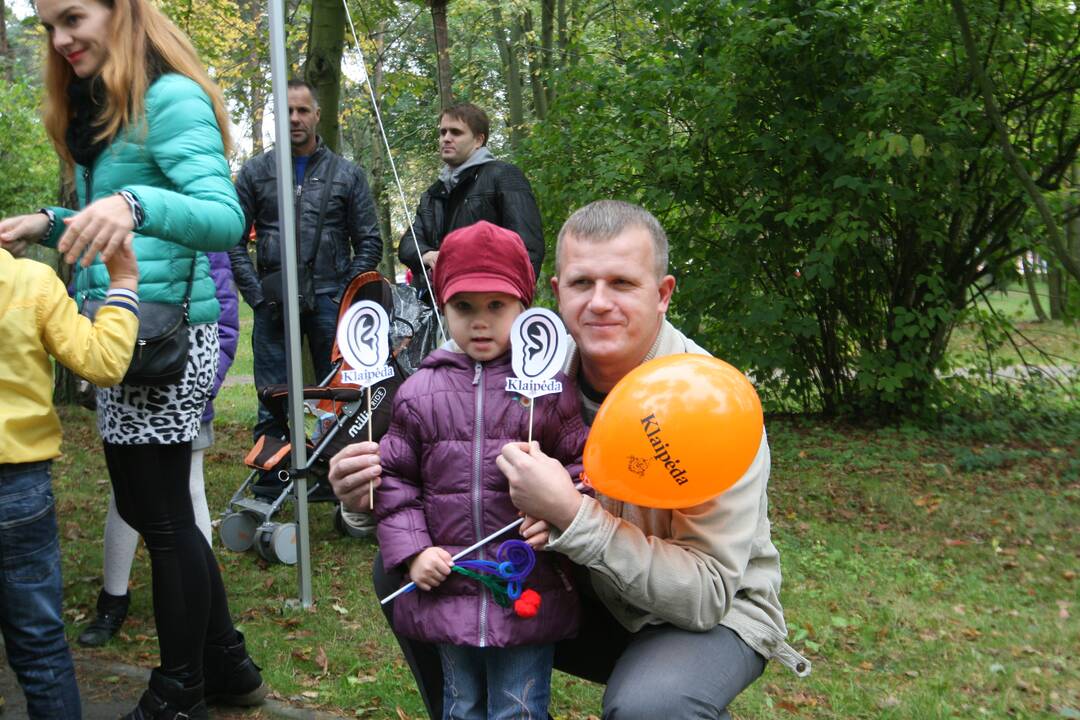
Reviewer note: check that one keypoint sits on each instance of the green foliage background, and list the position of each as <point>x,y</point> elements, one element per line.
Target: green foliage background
<point>835,197</point>
<point>28,165</point>
<point>826,174</point>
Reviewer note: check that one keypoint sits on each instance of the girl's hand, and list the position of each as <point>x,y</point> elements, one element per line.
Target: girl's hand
<point>100,228</point>
<point>20,231</point>
<point>430,567</point>
<point>535,532</point>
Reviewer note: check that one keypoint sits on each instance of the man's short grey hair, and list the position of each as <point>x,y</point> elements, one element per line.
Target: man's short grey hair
<point>298,84</point>
<point>604,220</point>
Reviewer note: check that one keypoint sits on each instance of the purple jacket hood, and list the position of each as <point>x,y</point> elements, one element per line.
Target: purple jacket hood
<point>441,487</point>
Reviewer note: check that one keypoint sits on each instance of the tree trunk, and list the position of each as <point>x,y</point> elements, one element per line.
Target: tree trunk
<point>1071,265</point>
<point>564,34</point>
<point>256,78</point>
<point>380,175</point>
<point>64,392</point>
<point>5,50</point>
<point>536,70</point>
<point>442,53</point>
<point>1073,233</point>
<point>256,112</point>
<point>511,71</point>
<point>1058,281</point>
<point>547,47</point>
<point>323,67</point>
<point>1033,292</point>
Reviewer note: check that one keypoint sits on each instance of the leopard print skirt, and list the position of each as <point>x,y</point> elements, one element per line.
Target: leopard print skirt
<point>140,415</point>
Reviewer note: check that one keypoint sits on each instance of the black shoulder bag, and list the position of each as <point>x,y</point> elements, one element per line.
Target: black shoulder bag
<point>161,350</point>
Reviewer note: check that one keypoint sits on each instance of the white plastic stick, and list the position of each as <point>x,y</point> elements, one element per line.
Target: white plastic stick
<point>370,420</point>
<point>406,588</point>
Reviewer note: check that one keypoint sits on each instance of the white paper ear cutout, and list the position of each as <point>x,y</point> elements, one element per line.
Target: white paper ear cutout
<point>538,352</point>
<point>363,336</point>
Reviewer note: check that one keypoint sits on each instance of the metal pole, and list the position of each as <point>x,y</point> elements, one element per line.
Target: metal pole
<point>287,228</point>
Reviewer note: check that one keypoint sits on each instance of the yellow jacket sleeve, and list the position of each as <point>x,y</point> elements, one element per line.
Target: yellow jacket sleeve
<point>99,351</point>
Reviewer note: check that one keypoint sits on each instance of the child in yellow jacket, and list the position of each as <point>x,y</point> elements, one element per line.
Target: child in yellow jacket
<point>38,319</point>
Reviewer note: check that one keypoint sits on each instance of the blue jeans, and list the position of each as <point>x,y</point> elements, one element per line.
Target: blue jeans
<point>31,590</point>
<point>269,352</point>
<point>512,683</point>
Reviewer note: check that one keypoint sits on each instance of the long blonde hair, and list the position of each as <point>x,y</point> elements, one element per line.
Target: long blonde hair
<point>137,29</point>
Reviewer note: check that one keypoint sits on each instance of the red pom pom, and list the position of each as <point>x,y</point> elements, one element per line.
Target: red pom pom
<point>528,604</point>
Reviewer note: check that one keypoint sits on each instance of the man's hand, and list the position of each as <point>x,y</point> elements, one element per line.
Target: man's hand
<point>539,485</point>
<point>430,258</point>
<point>535,532</point>
<point>352,471</point>
<point>20,231</point>
<point>100,228</point>
<point>430,567</point>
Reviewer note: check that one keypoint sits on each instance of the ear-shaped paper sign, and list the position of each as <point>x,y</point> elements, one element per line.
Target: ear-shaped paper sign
<point>363,338</point>
<point>538,352</point>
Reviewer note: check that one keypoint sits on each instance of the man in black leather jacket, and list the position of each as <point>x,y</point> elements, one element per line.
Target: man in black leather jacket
<point>337,238</point>
<point>472,186</point>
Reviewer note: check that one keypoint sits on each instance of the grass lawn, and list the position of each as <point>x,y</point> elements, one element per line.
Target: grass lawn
<point>1039,343</point>
<point>927,574</point>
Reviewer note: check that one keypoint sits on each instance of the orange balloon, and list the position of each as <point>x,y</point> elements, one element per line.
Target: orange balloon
<point>674,432</point>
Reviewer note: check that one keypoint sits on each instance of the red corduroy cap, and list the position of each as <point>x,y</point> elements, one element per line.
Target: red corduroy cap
<point>484,258</point>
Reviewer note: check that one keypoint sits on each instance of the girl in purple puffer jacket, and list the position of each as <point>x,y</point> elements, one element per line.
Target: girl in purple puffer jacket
<point>441,491</point>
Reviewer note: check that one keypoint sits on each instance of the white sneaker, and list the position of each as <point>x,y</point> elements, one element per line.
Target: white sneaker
<point>354,524</point>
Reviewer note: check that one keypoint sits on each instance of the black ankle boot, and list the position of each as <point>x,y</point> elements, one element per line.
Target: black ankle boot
<point>167,699</point>
<point>232,677</point>
<point>111,612</point>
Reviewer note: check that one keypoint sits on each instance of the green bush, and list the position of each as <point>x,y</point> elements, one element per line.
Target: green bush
<point>826,173</point>
<point>30,170</point>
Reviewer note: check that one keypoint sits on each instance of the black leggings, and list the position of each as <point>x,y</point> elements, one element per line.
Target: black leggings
<point>150,483</point>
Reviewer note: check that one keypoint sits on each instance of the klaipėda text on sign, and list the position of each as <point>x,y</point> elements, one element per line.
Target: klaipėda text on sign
<point>532,388</point>
<point>366,377</point>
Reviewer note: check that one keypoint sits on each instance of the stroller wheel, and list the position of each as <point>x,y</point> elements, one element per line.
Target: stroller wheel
<point>276,543</point>
<point>237,531</point>
<point>262,541</point>
<point>283,541</point>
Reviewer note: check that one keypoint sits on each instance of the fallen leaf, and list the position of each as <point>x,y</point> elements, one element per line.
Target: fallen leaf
<point>1027,687</point>
<point>361,679</point>
<point>321,659</point>
<point>889,701</point>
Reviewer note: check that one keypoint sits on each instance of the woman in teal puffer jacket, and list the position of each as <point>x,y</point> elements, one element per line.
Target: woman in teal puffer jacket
<point>143,132</point>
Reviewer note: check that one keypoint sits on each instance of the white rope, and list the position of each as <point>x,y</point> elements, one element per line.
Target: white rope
<point>362,78</point>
